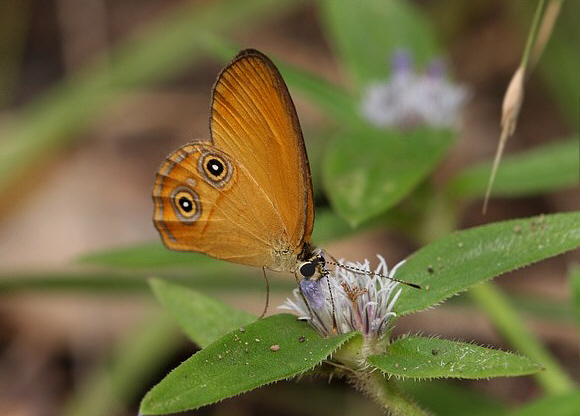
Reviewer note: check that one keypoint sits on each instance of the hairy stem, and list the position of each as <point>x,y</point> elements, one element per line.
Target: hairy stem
<point>386,393</point>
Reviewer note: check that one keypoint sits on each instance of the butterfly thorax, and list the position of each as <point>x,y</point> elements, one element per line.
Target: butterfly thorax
<point>306,262</point>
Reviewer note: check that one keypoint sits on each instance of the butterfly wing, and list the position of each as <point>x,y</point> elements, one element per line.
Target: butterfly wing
<point>246,195</point>
<point>201,206</point>
<point>253,117</point>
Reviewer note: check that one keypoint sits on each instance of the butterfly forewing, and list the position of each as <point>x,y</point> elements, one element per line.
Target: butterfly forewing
<point>253,117</point>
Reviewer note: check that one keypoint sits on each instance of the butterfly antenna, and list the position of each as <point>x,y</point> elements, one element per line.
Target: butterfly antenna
<point>334,324</point>
<point>267,294</point>
<point>357,270</point>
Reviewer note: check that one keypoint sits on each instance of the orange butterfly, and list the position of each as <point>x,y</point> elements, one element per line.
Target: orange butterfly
<point>245,194</point>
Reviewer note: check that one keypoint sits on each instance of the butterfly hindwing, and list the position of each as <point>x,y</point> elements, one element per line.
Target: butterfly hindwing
<point>196,196</point>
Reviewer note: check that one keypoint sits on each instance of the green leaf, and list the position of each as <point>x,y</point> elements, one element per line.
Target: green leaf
<point>328,227</point>
<point>187,306</point>
<point>465,258</point>
<point>547,168</point>
<point>364,33</point>
<point>575,292</point>
<point>270,349</point>
<point>421,357</point>
<point>328,97</point>
<point>367,171</point>
<point>566,404</point>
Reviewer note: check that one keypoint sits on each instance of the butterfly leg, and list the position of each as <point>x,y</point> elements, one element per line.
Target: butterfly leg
<point>267,294</point>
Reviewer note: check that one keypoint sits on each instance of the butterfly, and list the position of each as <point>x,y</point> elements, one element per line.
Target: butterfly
<point>244,194</point>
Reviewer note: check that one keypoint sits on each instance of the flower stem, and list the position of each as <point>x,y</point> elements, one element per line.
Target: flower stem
<point>386,393</point>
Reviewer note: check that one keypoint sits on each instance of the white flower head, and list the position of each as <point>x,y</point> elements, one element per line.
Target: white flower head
<point>352,296</point>
<point>410,98</point>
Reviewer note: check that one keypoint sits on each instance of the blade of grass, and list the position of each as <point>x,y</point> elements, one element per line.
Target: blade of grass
<point>515,92</point>
<point>566,404</point>
<point>444,397</point>
<point>574,274</point>
<point>552,311</point>
<point>497,307</point>
<point>518,175</point>
<point>115,281</point>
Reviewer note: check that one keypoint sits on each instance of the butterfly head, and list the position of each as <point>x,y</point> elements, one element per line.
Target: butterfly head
<point>311,264</point>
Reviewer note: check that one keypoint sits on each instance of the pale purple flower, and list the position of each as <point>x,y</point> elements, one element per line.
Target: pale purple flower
<point>362,300</point>
<point>410,98</point>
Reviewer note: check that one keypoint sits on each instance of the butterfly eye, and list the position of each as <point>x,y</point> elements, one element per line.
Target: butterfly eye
<point>308,269</point>
<point>215,169</point>
<point>186,204</point>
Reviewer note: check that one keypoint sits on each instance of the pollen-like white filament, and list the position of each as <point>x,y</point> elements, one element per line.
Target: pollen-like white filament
<point>360,299</point>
